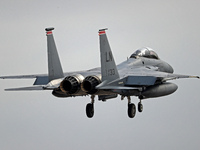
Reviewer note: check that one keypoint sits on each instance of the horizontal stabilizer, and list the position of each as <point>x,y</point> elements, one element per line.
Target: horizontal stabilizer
<point>19,77</point>
<point>41,80</point>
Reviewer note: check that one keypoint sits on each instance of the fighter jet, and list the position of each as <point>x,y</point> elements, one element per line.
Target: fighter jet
<point>143,75</point>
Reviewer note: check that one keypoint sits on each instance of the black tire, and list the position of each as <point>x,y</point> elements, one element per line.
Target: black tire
<point>140,107</point>
<point>131,110</point>
<point>90,110</point>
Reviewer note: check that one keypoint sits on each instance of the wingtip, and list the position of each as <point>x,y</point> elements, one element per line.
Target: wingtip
<point>195,77</point>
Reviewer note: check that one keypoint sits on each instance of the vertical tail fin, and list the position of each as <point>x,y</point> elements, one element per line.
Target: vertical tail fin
<point>54,66</point>
<point>109,70</point>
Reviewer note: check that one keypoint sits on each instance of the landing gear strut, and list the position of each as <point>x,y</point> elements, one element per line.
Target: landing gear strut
<point>90,108</point>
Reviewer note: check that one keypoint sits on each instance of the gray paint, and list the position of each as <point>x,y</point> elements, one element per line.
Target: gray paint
<point>109,70</point>
<point>135,74</point>
<point>54,66</point>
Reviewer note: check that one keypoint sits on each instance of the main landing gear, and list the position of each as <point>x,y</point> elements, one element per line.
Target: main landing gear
<point>140,106</point>
<point>90,108</point>
<point>132,107</point>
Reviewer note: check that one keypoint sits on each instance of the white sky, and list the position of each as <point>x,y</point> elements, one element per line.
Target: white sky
<point>37,120</point>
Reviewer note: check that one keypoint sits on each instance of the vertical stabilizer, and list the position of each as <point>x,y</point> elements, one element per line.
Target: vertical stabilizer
<point>109,70</point>
<point>54,66</point>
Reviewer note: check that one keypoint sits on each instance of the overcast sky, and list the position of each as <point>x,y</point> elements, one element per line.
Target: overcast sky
<point>38,120</point>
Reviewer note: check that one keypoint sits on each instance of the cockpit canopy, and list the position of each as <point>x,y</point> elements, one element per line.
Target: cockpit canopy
<point>145,52</point>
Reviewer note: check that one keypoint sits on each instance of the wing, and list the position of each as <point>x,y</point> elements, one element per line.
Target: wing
<point>140,77</point>
<point>41,79</point>
<point>20,76</point>
<point>162,75</point>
